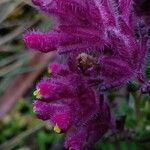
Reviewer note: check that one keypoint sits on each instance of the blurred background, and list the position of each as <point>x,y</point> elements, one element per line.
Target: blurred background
<point>21,68</point>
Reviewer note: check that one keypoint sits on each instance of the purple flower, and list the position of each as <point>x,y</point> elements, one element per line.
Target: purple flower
<point>73,107</point>
<point>105,46</point>
<point>104,30</point>
<point>58,69</point>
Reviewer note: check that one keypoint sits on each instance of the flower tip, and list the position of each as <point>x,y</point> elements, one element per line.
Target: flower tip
<point>37,94</point>
<point>57,129</point>
<point>50,71</point>
<point>36,2</point>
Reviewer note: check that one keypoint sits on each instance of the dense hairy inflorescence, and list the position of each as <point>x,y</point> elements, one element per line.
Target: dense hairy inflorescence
<point>105,43</point>
<point>73,107</point>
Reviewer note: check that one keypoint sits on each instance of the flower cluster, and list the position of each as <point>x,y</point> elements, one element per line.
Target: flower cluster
<point>103,29</point>
<point>105,44</point>
<point>73,107</point>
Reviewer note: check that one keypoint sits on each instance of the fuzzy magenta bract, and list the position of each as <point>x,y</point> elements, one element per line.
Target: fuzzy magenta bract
<point>105,45</point>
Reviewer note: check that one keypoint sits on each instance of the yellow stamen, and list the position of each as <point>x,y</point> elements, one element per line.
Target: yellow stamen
<point>57,129</point>
<point>50,71</point>
<point>37,94</point>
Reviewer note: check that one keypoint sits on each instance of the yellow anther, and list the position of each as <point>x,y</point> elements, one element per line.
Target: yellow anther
<point>57,129</point>
<point>37,94</point>
<point>50,71</point>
